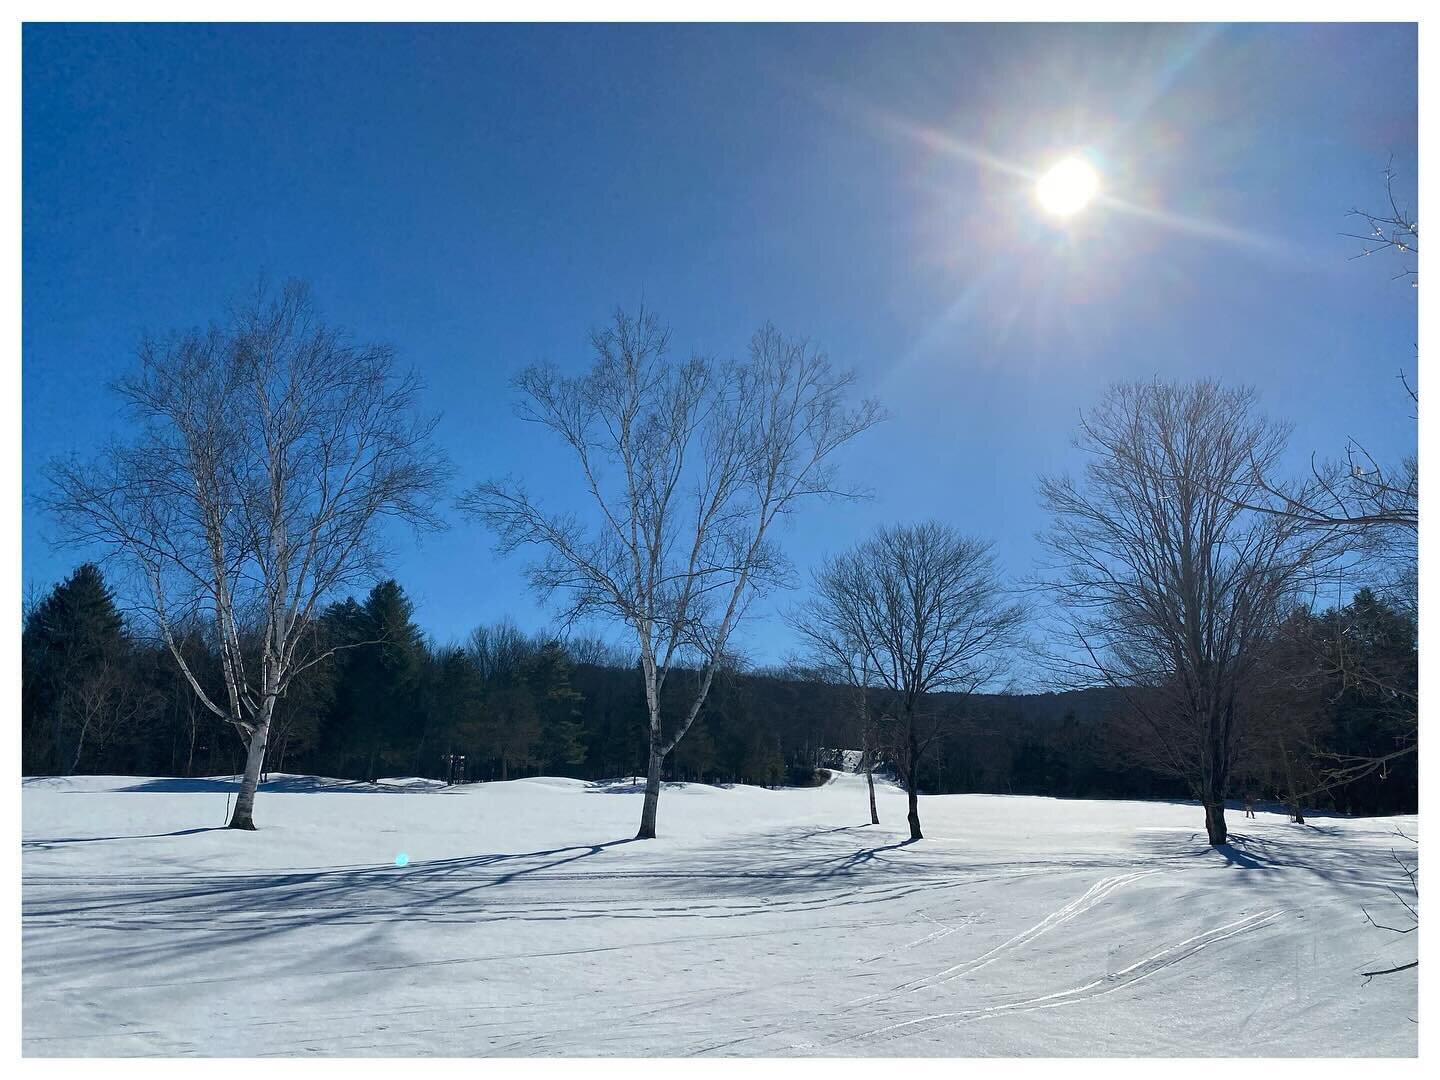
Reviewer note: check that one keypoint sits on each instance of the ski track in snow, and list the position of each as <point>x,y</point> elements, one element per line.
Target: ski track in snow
<point>137,927</point>
<point>1076,907</point>
<point>1120,980</point>
<point>1081,904</point>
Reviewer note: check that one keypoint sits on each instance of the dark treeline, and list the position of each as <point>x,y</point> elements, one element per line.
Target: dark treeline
<point>100,696</point>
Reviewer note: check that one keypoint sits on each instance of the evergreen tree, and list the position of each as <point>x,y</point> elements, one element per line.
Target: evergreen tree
<point>453,714</point>
<point>614,719</point>
<point>376,722</point>
<point>559,746</point>
<point>511,728</point>
<point>296,727</point>
<point>78,688</point>
<point>1341,689</point>
<point>1373,677</point>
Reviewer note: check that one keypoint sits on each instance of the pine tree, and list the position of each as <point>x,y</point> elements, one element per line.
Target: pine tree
<point>453,714</point>
<point>389,682</point>
<point>557,705</point>
<point>78,689</point>
<point>376,721</point>
<point>1373,678</point>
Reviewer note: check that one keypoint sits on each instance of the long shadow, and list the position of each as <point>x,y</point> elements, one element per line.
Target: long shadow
<point>234,910</point>
<point>287,785</point>
<point>61,841</point>
<point>1333,856</point>
<point>243,908</point>
<point>585,851</point>
<point>860,858</point>
<point>626,787</point>
<point>810,867</point>
<point>1236,857</point>
<point>274,891</point>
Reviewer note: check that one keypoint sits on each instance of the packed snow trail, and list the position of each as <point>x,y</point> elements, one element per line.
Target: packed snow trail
<point>523,922</point>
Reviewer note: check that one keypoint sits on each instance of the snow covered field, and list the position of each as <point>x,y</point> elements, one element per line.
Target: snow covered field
<point>761,923</point>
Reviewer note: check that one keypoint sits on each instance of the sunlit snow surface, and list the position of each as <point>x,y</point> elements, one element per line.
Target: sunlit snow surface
<point>760,923</point>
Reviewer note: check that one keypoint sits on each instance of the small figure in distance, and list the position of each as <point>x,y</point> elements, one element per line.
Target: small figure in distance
<point>1249,805</point>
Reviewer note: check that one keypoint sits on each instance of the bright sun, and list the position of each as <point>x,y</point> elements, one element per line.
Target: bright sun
<point>1067,187</point>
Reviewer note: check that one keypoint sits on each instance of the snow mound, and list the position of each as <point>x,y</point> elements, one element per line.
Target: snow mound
<point>563,782</point>
<point>411,783</point>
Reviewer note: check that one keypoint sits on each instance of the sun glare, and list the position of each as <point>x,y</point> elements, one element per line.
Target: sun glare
<point>1067,187</point>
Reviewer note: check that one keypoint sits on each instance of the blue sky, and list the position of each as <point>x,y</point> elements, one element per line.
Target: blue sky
<point>480,197</point>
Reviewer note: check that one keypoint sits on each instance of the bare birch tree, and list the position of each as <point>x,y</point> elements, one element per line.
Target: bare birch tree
<point>689,466</point>
<point>839,663</point>
<point>914,610</point>
<point>268,454</point>
<point>1170,587</point>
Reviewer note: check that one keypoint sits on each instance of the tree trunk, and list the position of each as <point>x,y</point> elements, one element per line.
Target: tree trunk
<point>79,748</point>
<point>867,756</point>
<point>870,783</point>
<point>652,797</point>
<point>1295,813</point>
<point>912,778</point>
<point>1215,775</point>
<point>244,816</point>
<point>1215,822</point>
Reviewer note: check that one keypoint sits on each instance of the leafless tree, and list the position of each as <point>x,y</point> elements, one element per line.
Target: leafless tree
<point>689,466</point>
<point>1283,716</point>
<point>914,610</point>
<point>268,453</point>
<point>499,650</point>
<point>869,735</point>
<point>100,702</point>
<point>1170,589</point>
<point>508,726</point>
<point>841,663</point>
<point>589,649</point>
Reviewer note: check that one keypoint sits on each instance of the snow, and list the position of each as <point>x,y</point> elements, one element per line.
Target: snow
<point>760,923</point>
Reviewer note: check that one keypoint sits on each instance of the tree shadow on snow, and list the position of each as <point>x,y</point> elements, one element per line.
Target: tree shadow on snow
<point>61,841</point>
<point>865,855</point>
<point>285,785</point>
<point>1237,856</point>
<point>799,869</point>
<point>632,787</point>
<point>795,868</point>
<point>1333,855</point>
